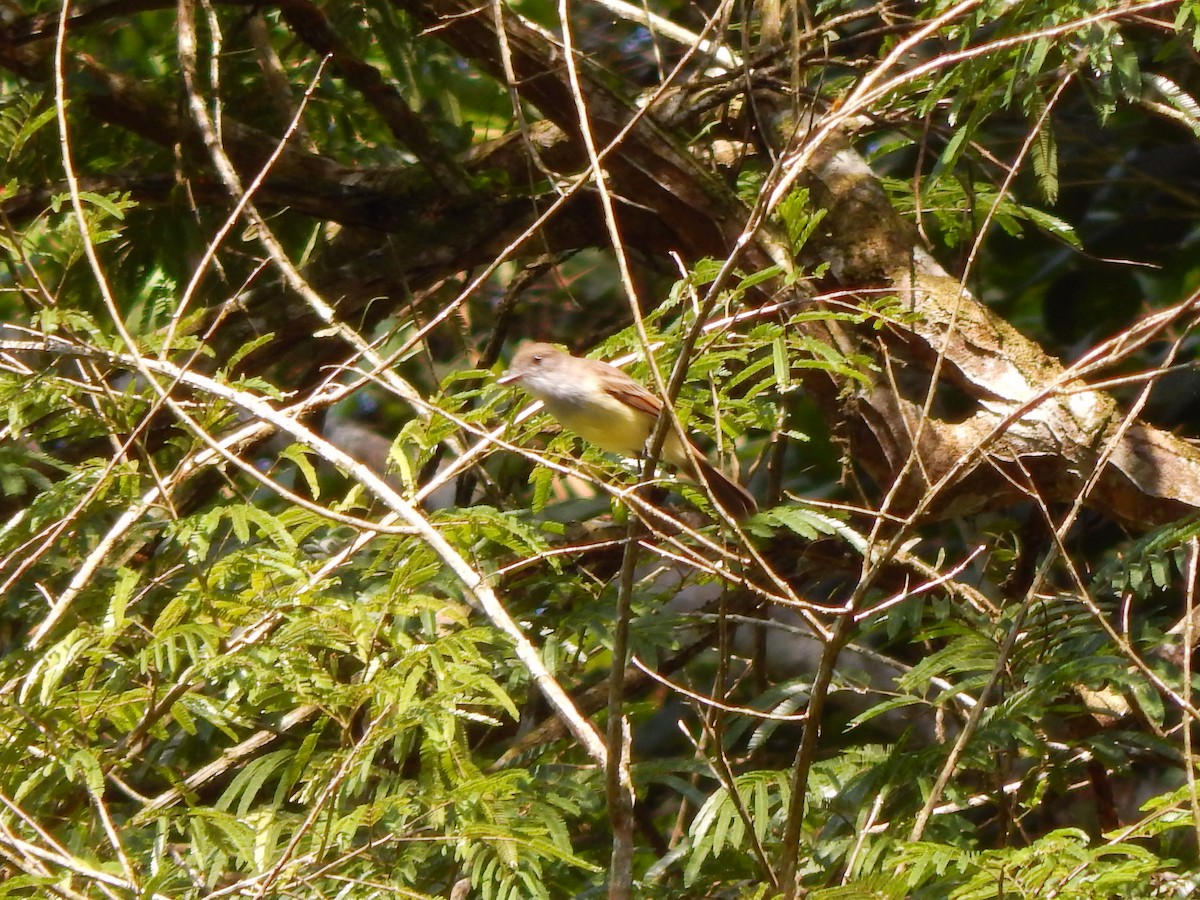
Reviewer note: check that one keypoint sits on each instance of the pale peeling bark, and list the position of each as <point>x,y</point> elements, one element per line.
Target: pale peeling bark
<point>1033,429</point>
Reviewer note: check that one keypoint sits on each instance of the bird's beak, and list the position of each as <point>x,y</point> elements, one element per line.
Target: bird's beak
<point>509,377</point>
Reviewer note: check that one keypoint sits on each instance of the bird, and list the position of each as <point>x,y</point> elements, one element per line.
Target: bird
<point>608,408</point>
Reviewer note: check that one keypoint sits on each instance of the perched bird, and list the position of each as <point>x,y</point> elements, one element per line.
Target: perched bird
<point>603,405</point>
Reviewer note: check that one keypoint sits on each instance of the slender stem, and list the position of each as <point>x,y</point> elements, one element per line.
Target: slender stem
<point>807,752</point>
<point>618,783</point>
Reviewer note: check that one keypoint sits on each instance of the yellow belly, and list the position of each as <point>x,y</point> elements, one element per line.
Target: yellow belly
<point>613,426</point>
<point>608,423</point>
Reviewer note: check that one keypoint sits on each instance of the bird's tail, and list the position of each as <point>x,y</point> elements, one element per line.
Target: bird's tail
<point>732,497</point>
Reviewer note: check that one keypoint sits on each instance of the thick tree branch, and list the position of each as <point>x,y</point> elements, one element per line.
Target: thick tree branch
<point>1031,415</point>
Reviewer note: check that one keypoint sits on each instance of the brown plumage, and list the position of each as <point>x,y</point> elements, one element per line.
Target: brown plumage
<point>606,407</point>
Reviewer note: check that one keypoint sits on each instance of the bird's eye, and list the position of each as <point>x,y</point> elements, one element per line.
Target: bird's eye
<point>537,360</point>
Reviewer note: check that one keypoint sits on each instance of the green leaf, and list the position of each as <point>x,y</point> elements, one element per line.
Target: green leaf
<point>301,456</point>
<point>30,127</point>
<point>121,592</point>
<point>246,349</point>
<point>1044,149</point>
<point>81,763</point>
<point>113,204</point>
<point>807,523</point>
<point>782,370</point>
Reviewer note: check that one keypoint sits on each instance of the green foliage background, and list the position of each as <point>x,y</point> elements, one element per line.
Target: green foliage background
<point>247,673</point>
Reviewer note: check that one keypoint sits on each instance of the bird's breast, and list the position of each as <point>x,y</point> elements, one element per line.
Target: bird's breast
<point>598,417</point>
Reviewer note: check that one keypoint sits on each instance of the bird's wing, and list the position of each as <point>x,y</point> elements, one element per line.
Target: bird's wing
<point>637,396</point>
